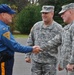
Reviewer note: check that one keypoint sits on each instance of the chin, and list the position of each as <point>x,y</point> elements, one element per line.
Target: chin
<point>64,21</point>
<point>44,19</point>
<point>10,21</point>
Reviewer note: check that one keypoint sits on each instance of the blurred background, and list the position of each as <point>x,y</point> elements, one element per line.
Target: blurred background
<point>28,13</point>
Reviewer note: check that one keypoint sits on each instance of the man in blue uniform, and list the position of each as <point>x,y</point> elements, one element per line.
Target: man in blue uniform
<point>8,45</point>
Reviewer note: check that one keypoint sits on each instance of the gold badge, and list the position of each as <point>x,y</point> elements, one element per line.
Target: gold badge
<point>7,35</point>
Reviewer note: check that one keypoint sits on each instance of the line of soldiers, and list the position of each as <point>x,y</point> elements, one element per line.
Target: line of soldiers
<point>51,38</point>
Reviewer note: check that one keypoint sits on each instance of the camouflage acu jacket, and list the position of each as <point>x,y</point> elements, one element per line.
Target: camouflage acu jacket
<point>40,35</point>
<point>66,38</point>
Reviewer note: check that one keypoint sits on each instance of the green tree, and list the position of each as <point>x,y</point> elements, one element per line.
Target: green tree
<point>27,17</point>
<point>20,4</point>
<point>3,1</point>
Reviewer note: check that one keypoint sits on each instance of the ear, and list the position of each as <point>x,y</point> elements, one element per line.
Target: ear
<point>52,13</point>
<point>2,14</point>
<point>71,11</point>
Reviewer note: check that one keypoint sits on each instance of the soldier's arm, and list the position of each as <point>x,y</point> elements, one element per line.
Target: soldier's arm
<point>30,42</point>
<point>72,56</point>
<point>70,66</point>
<point>55,42</point>
<point>9,42</point>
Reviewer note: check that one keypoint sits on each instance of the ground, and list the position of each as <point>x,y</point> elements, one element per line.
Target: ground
<point>20,66</point>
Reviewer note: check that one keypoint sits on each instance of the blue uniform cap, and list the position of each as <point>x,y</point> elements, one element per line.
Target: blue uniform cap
<point>4,8</point>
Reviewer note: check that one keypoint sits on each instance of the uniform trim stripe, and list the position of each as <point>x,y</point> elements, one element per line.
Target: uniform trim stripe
<point>3,68</point>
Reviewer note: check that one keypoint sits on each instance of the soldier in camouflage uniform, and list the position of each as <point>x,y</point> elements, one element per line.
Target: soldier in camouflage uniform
<point>66,38</point>
<point>44,63</point>
<point>69,14</point>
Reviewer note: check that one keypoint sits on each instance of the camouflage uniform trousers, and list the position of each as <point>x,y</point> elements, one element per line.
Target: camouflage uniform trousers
<point>43,68</point>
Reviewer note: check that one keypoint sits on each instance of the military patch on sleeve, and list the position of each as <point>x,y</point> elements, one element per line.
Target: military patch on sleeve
<point>7,35</point>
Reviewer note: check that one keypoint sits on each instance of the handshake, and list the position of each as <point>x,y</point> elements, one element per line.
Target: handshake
<point>36,49</point>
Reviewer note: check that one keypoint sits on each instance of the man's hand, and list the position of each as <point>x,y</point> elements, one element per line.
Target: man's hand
<point>28,60</point>
<point>36,49</point>
<point>70,67</point>
<point>59,68</point>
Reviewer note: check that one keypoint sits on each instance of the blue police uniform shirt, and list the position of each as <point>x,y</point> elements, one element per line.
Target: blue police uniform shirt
<point>8,43</point>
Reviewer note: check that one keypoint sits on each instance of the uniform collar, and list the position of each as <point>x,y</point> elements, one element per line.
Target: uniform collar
<point>4,24</point>
<point>68,26</point>
<point>49,26</point>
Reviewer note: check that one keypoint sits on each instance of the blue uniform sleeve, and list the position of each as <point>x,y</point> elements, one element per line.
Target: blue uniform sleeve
<point>9,41</point>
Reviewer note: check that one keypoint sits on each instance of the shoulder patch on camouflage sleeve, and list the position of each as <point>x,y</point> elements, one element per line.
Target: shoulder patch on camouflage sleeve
<point>7,35</point>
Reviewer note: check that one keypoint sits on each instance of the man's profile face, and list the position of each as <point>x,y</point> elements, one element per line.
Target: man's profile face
<point>66,16</point>
<point>7,18</point>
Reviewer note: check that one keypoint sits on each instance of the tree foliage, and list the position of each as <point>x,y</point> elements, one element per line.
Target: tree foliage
<point>31,13</point>
<point>20,4</point>
<point>27,17</point>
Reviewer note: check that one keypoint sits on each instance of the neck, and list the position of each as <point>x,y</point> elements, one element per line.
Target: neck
<point>48,22</point>
<point>1,19</point>
<point>72,19</point>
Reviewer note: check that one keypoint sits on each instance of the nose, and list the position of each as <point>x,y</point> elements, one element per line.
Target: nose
<point>62,15</point>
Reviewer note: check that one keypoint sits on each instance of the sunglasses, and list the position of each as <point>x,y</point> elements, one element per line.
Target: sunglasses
<point>44,12</point>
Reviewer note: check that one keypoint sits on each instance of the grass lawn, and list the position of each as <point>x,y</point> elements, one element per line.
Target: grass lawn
<point>20,36</point>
